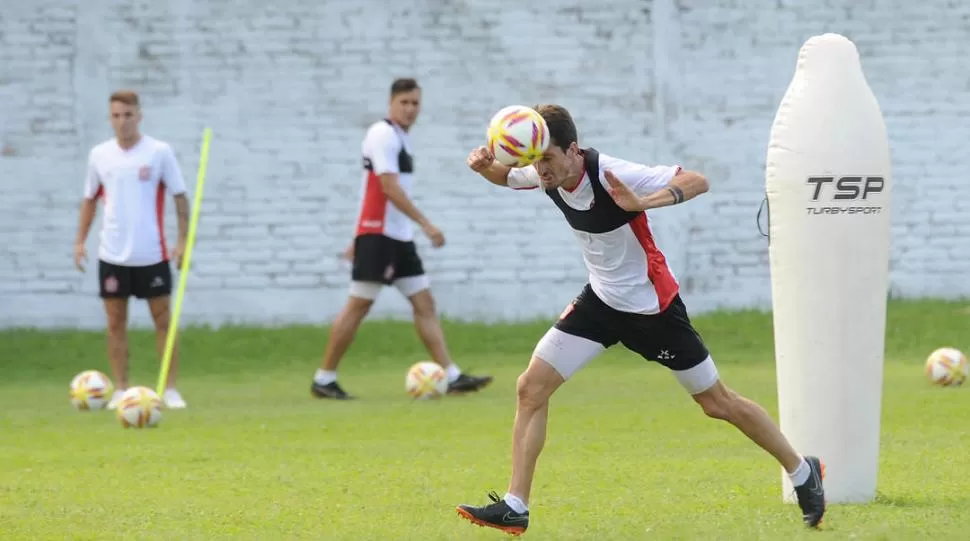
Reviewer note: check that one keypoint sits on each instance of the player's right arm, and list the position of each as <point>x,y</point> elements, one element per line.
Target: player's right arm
<point>483,162</point>
<point>89,207</point>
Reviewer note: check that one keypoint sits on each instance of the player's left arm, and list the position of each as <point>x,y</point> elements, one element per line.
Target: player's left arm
<point>175,184</point>
<point>638,187</point>
<point>682,187</point>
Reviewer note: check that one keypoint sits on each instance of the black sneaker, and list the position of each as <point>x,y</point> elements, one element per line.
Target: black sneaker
<point>811,495</point>
<point>496,515</point>
<point>330,390</point>
<point>466,383</point>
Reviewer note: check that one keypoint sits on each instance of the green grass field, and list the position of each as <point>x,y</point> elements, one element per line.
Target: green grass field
<point>629,455</point>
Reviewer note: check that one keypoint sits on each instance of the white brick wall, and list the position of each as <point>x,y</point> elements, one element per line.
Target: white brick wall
<point>289,90</point>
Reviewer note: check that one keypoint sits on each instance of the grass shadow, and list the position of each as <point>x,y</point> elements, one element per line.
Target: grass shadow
<point>910,501</point>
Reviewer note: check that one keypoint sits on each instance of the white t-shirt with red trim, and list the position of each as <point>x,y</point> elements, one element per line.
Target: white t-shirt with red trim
<point>132,184</point>
<point>626,268</point>
<point>386,148</point>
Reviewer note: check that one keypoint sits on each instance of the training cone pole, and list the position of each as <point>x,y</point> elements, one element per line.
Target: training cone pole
<point>173,323</point>
<point>828,182</point>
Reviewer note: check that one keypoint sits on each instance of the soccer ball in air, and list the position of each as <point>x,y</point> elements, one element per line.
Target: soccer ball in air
<point>139,407</point>
<point>517,136</point>
<point>91,390</point>
<point>425,380</point>
<point>947,367</point>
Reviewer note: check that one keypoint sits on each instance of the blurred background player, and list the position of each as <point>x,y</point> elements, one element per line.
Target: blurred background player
<point>383,251</point>
<point>131,173</point>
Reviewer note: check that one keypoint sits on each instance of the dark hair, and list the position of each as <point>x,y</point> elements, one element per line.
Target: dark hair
<point>400,86</point>
<point>562,129</point>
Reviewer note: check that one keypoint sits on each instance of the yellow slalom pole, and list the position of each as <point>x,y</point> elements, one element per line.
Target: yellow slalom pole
<point>173,324</point>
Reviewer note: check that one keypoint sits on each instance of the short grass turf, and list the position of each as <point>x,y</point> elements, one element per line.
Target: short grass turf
<point>629,455</point>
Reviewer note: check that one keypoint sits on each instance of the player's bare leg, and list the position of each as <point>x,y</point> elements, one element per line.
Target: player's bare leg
<point>511,514</point>
<point>116,311</point>
<point>533,390</point>
<point>722,403</point>
<point>428,327</point>
<point>160,308</point>
<point>342,333</point>
<point>750,418</point>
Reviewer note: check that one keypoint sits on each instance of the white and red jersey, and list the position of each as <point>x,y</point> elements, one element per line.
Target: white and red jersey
<point>132,184</point>
<point>626,268</point>
<point>386,149</point>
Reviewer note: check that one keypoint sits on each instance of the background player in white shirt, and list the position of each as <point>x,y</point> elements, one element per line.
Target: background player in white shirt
<point>131,173</point>
<point>632,298</point>
<point>384,253</point>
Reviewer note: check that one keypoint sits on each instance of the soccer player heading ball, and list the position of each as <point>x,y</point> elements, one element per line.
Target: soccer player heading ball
<point>632,298</point>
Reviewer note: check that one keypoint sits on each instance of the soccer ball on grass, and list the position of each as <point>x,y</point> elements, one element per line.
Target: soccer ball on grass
<point>139,407</point>
<point>947,367</point>
<point>425,380</point>
<point>91,390</point>
<point>517,136</point>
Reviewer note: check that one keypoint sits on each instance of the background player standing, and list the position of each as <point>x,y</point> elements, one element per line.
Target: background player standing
<point>384,253</point>
<point>632,298</point>
<point>131,173</point>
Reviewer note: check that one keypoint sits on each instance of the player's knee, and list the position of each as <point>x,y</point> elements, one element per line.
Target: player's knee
<point>117,327</point>
<point>530,391</point>
<point>716,410</point>
<point>422,304</point>
<point>719,402</point>
<point>536,384</point>
<point>161,325</point>
<point>357,308</point>
<point>162,319</point>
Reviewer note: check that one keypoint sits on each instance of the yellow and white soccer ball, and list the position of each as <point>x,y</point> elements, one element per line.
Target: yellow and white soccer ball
<point>425,380</point>
<point>947,367</point>
<point>91,390</point>
<point>517,136</point>
<point>139,407</point>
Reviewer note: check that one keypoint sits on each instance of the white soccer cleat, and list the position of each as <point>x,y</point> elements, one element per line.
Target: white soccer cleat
<point>173,400</point>
<point>115,398</point>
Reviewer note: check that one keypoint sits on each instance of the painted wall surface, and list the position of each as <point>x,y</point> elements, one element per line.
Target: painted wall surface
<point>290,90</point>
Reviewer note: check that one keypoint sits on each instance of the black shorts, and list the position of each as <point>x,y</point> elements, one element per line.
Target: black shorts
<point>378,258</point>
<point>119,281</point>
<point>667,337</point>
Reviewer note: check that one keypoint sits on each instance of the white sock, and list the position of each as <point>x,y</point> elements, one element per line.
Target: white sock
<point>515,503</point>
<point>800,475</point>
<point>323,377</point>
<point>453,372</point>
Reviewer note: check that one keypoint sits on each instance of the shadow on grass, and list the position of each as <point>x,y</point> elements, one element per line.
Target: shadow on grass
<point>919,501</point>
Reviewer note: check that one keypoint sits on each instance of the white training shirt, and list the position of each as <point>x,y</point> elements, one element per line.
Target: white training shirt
<point>386,149</point>
<point>626,268</point>
<point>132,184</point>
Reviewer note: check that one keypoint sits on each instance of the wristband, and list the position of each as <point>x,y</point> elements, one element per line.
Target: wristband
<point>677,193</point>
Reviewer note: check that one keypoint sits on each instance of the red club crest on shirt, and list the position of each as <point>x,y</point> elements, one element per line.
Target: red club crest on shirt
<point>144,173</point>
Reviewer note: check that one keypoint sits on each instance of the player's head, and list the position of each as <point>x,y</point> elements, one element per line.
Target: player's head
<point>563,159</point>
<point>405,102</point>
<point>124,113</point>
